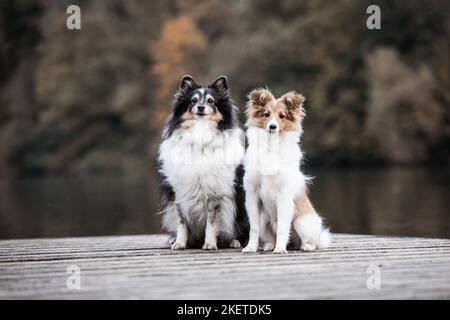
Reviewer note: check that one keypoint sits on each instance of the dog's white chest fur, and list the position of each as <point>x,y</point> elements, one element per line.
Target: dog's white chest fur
<point>200,163</point>
<point>272,161</point>
<point>272,167</point>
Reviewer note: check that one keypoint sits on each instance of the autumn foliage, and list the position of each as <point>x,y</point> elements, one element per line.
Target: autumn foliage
<point>97,99</point>
<point>180,43</point>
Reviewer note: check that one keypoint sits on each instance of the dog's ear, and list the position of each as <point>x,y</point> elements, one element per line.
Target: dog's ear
<point>260,97</point>
<point>188,83</point>
<point>294,102</point>
<point>220,84</point>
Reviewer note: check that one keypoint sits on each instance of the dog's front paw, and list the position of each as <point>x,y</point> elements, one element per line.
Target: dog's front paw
<point>209,246</point>
<point>249,249</point>
<point>280,250</point>
<point>268,246</point>
<point>178,246</point>
<point>235,243</point>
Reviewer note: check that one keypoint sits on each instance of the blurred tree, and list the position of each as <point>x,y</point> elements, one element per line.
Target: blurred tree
<point>92,88</point>
<point>19,36</point>
<point>83,100</point>
<point>175,53</point>
<point>404,119</point>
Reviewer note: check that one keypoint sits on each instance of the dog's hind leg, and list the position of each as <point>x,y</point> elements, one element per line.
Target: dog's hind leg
<point>235,243</point>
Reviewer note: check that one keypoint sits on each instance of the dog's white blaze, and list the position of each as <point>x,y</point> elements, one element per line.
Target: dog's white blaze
<point>272,121</point>
<point>202,100</point>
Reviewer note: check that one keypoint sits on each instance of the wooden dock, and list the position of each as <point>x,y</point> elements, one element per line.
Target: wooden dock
<point>142,267</point>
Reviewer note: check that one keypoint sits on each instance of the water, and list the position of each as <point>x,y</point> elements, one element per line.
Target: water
<point>394,201</point>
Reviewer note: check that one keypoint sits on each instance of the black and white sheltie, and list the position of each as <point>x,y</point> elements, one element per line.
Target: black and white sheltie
<point>201,170</point>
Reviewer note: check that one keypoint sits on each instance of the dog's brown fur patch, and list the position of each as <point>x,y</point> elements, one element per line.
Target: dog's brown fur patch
<point>303,205</point>
<point>188,119</point>
<point>215,118</point>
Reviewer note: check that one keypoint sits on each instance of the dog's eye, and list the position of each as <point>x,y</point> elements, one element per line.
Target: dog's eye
<point>194,100</point>
<point>267,114</point>
<point>210,101</point>
<point>282,116</point>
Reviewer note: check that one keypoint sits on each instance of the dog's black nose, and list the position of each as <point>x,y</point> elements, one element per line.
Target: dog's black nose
<point>201,108</point>
<point>272,126</point>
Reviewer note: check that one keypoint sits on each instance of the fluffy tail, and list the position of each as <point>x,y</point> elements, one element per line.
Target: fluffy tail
<point>309,225</point>
<point>310,229</point>
<point>324,240</point>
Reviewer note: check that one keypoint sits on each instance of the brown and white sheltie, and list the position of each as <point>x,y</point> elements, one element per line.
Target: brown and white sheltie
<point>276,189</point>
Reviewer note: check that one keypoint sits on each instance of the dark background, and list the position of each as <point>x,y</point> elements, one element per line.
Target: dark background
<point>81,111</point>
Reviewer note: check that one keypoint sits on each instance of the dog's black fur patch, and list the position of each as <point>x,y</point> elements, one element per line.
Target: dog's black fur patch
<point>242,223</point>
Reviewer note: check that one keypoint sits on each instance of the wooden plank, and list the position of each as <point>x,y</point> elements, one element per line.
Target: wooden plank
<point>143,267</point>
